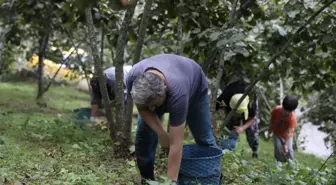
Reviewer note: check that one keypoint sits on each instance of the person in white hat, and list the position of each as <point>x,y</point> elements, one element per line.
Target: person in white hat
<point>244,119</point>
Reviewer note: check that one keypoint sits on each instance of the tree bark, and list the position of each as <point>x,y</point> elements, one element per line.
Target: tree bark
<point>142,31</point>
<point>124,131</point>
<point>272,59</point>
<point>215,87</point>
<point>214,91</point>
<point>179,35</point>
<point>136,59</point>
<point>42,51</point>
<point>281,91</point>
<point>99,72</point>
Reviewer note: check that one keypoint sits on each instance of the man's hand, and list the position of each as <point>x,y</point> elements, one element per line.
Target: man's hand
<point>93,119</point>
<point>155,124</point>
<point>164,141</point>
<point>270,132</point>
<point>285,147</point>
<point>238,129</point>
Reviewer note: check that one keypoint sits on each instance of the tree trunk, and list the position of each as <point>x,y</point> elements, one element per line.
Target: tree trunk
<point>2,49</point>
<point>214,91</point>
<point>42,51</point>
<point>142,31</point>
<point>123,135</point>
<point>99,72</point>
<point>281,91</point>
<point>179,36</point>
<point>136,59</point>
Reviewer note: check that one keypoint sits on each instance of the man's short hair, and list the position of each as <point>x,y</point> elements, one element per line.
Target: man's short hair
<point>146,88</point>
<point>290,102</point>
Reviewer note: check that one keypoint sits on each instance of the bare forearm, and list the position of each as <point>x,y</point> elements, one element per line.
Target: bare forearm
<point>270,126</point>
<point>94,110</point>
<point>153,122</point>
<point>289,135</point>
<point>249,123</point>
<point>174,162</point>
<point>157,127</point>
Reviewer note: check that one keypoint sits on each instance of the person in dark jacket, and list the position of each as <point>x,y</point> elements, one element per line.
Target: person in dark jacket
<point>96,96</point>
<point>244,119</point>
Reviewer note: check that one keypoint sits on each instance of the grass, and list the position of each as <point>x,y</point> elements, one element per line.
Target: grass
<point>45,146</point>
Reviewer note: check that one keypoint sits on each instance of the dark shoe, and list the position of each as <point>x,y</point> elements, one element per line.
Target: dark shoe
<point>221,179</point>
<point>255,155</point>
<point>144,181</point>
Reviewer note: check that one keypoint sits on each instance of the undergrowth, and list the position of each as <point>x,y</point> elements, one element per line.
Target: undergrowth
<point>39,146</point>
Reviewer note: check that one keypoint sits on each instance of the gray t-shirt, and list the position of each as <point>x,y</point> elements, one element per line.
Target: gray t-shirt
<point>110,80</point>
<point>186,83</point>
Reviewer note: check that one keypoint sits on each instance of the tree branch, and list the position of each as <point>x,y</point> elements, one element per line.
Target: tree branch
<point>102,43</point>
<point>265,100</point>
<point>243,7</point>
<point>179,35</point>
<point>77,55</point>
<point>56,73</point>
<point>271,60</point>
<point>142,31</point>
<point>232,13</point>
<point>99,72</point>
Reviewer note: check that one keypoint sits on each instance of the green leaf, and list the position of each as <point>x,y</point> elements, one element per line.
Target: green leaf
<point>202,44</point>
<point>153,183</point>
<point>242,51</point>
<point>229,55</point>
<point>214,36</point>
<point>327,39</point>
<point>281,30</point>
<point>197,30</point>
<point>292,14</point>
<point>59,5</point>
<point>325,23</point>
<point>76,146</point>
<point>131,163</point>
<point>40,5</point>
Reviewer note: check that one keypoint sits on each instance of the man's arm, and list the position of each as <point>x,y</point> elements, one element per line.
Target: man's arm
<point>95,101</point>
<point>155,124</point>
<point>94,110</point>
<point>289,133</point>
<point>176,135</point>
<point>240,129</point>
<point>177,118</point>
<point>249,123</point>
<point>270,131</point>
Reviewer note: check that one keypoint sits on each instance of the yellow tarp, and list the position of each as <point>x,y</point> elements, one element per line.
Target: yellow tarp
<point>51,67</point>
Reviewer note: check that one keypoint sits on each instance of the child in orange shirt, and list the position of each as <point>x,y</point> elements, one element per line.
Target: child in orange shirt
<point>282,124</point>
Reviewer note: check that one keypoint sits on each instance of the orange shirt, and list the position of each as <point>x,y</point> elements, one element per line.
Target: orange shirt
<point>281,123</point>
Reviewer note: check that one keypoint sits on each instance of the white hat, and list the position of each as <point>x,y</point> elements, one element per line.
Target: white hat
<point>243,107</point>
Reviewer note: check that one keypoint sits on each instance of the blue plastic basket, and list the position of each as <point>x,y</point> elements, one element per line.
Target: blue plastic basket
<point>82,113</point>
<point>200,164</point>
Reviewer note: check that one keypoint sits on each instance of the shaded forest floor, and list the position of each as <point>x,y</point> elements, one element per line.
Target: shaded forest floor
<point>44,146</point>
